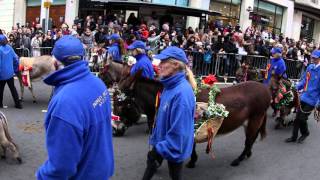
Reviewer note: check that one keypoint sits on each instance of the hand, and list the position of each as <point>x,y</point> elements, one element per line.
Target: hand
<point>153,155</point>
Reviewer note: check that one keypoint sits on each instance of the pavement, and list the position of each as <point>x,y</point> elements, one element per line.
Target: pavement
<point>272,159</point>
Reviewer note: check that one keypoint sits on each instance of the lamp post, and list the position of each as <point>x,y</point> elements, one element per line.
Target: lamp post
<point>46,5</point>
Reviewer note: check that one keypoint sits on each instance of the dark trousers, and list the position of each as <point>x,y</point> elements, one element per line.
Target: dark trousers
<point>300,123</point>
<point>13,91</point>
<point>175,169</point>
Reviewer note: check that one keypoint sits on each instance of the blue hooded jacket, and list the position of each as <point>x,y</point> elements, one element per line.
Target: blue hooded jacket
<point>173,133</point>
<point>278,67</point>
<point>9,62</point>
<point>144,63</point>
<point>78,127</point>
<point>114,51</point>
<point>312,94</point>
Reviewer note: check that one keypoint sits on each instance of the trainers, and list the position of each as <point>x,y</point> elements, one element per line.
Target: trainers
<point>290,140</point>
<point>302,138</point>
<point>19,106</point>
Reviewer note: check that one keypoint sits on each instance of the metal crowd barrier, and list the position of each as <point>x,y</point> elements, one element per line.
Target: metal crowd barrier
<point>22,52</point>
<point>199,66</point>
<point>226,64</point>
<point>294,69</point>
<point>41,51</point>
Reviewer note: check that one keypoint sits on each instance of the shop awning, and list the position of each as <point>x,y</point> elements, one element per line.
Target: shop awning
<point>170,8</point>
<point>308,9</point>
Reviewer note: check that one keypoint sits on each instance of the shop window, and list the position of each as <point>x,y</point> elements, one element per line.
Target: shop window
<point>268,16</point>
<point>229,9</point>
<point>307,28</point>
<point>172,2</point>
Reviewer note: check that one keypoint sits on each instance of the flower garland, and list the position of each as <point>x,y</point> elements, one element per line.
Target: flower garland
<point>285,95</point>
<point>214,109</point>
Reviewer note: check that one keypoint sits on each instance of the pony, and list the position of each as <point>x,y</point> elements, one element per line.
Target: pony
<point>281,88</point>
<point>247,73</point>
<point>111,71</point>
<point>6,141</point>
<point>39,67</point>
<point>247,101</point>
<point>136,101</point>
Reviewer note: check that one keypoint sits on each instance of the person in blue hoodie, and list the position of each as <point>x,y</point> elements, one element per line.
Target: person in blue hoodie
<point>143,62</point>
<point>116,50</point>
<point>9,63</point>
<point>78,121</point>
<point>172,136</point>
<point>277,65</point>
<point>309,98</point>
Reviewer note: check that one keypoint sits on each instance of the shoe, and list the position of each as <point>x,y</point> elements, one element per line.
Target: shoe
<point>290,140</point>
<point>19,106</point>
<point>302,138</point>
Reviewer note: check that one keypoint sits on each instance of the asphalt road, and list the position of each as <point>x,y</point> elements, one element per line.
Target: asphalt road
<point>272,159</point>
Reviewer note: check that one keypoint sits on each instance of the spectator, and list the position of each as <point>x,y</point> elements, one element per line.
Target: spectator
<point>132,20</point>
<point>36,43</point>
<point>87,39</point>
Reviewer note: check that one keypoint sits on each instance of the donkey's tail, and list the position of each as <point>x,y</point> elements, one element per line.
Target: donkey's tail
<point>263,127</point>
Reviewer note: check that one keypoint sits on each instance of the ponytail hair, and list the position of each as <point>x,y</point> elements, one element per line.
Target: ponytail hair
<point>189,73</point>
<point>121,46</point>
<point>191,79</point>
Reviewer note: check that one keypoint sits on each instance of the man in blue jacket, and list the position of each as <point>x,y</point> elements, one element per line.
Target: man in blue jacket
<point>172,136</point>
<point>277,65</point>
<point>143,62</point>
<point>9,63</point>
<point>309,99</point>
<point>78,127</point>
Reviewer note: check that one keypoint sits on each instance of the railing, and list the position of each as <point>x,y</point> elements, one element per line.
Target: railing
<point>226,64</point>
<point>22,52</point>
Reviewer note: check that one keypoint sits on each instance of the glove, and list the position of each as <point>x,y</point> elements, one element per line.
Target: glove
<point>154,156</point>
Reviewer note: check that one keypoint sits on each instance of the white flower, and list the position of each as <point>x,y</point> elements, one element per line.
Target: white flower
<point>121,97</point>
<point>131,60</point>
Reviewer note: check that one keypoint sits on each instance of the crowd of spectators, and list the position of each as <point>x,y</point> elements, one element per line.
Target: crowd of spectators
<point>216,38</point>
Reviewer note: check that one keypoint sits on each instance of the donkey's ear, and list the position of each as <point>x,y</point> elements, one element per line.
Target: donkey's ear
<point>136,77</point>
<point>138,74</point>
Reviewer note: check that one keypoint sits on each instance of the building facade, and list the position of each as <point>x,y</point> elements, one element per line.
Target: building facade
<point>307,18</point>
<point>279,16</point>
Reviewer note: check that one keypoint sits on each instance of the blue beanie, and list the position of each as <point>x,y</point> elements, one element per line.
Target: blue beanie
<point>66,47</point>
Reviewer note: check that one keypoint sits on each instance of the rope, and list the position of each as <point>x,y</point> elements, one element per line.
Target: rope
<point>210,142</point>
<point>304,111</point>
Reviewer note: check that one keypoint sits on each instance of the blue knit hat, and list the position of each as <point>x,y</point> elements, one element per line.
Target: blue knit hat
<point>66,47</point>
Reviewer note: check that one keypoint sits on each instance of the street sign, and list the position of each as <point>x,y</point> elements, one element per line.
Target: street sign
<point>47,4</point>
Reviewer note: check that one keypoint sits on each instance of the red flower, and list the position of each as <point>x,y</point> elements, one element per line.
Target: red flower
<point>210,80</point>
